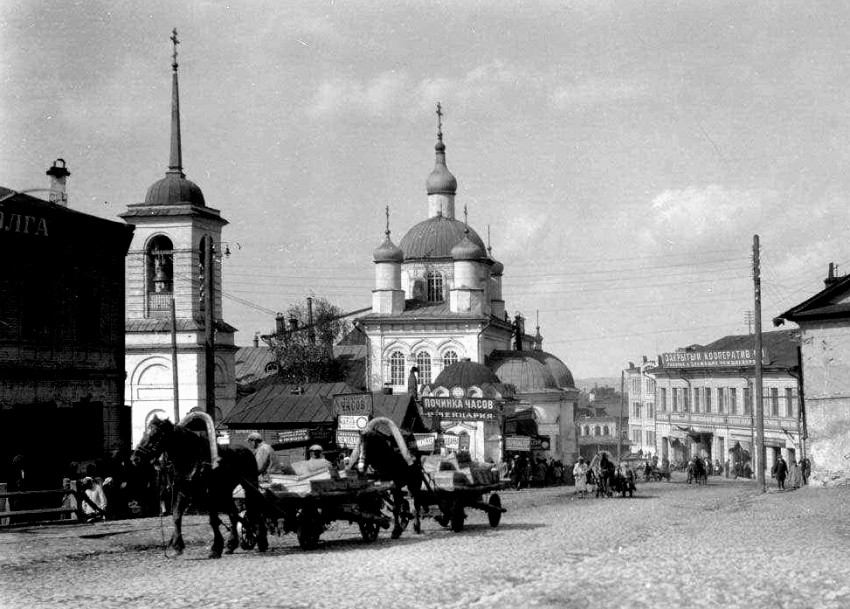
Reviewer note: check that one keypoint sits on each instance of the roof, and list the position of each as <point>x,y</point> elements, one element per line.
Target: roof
<point>174,189</point>
<point>163,324</point>
<point>352,361</point>
<point>826,304</point>
<point>562,374</point>
<point>523,370</point>
<point>401,409</point>
<point>416,309</point>
<point>253,363</point>
<point>465,373</point>
<point>275,403</point>
<point>435,238</point>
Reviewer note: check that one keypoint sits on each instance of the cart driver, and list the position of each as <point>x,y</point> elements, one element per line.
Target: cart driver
<point>315,452</point>
<point>265,455</point>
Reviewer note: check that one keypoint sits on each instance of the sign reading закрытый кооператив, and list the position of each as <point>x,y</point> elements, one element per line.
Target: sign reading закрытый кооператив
<point>711,359</point>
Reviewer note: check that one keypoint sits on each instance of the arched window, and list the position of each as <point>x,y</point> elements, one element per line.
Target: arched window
<point>423,362</point>
<point>597,431</point>
<point>606,431</point>
<point>587,430</point>
<point>434,281</point>
<point>449,358</point>
<point>159,276</point>
<point>397,368</point>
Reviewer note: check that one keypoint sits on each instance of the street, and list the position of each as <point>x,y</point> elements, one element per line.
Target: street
<point>673,545</point>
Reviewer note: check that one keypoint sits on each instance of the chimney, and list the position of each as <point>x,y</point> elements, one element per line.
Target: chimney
<point>831,278</point>
<point>311,331</point>
<point>293,323</point>
<point>280,326</point>
<point>58,186</point>
<point>256,339</point>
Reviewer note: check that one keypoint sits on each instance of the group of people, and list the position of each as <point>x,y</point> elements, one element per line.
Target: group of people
<point>524,472</point>
<point>606,477</point>
<point>796,473</point>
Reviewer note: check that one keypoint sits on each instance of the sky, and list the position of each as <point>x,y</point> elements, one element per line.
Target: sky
<point>622,154</point>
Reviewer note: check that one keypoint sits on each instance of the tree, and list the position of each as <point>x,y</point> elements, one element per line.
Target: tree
<point>304,351</point>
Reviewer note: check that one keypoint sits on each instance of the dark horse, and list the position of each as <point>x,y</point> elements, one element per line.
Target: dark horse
<point>210,484</point>
<point>389,461</point>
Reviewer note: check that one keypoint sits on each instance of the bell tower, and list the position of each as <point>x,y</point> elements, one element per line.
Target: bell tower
<point>166,269</point>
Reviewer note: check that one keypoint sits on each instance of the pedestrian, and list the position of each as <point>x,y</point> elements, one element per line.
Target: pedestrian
<point>780,471</point>
<point>805,469</point>
<point>265,456</point>
<point>94,506</point>
<point>795,477</point>
<point>580,475</point>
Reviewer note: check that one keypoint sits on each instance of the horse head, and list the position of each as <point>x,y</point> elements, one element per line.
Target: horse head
<point>153,442</point>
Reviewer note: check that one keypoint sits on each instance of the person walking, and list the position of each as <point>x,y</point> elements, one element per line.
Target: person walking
<point>580,475</point>
<point>795,477</point>
<point>264,454</point>
<point>805,469</point>
<point>780,471</point>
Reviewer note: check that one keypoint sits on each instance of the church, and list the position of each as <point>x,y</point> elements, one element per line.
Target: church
<point>166,269</point>
<point>437,303</point>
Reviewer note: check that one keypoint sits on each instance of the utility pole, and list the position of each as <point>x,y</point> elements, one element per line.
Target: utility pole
<point>620,424</point>
<point>804,431</point>
<point>748,319</point>
<point>758,388</point>
<point>209,334</point>
<point>174,377</point>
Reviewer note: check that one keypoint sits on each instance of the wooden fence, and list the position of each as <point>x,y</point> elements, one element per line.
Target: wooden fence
<point>68,505</point>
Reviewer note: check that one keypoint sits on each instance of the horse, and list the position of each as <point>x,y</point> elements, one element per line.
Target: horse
<point>196,475</point>
<point>603,473</point>
<point>696,471</point>
<point>390,459</point>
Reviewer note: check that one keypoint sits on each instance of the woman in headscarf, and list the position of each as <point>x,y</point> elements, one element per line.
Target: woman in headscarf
<point>580,475</point>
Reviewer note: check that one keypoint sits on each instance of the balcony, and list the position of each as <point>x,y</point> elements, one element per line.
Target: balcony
<point>726,420</point>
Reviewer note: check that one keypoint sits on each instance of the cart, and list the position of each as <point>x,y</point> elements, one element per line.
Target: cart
<point>309,513</point>
<point>453,499</point>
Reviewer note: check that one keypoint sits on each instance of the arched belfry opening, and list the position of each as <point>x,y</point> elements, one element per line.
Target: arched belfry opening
<point>159,273</point>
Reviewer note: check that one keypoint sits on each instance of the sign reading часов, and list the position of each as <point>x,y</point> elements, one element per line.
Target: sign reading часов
<point>711,359</point>
<point>461,408</point>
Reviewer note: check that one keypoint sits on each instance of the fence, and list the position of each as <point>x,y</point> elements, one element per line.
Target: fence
<point>68,508</point>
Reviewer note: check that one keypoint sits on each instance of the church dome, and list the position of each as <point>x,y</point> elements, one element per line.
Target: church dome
<point>388,252</point>
<point>174,189</point>
<point>435,238</point>
<point>521,369</point>
<point>468,250</point>
<point>562,374</point>
<point>441,181</point>
<point>465,373</point>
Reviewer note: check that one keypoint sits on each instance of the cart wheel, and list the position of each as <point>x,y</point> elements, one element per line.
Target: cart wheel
<point>495,516</point>
<point>247,539</point>
<point>309,528</point>
<point>458,516</point>
<point>369,531</point>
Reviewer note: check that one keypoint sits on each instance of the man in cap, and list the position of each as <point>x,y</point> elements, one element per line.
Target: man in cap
<point>315,452</point>
<point>265,455</point>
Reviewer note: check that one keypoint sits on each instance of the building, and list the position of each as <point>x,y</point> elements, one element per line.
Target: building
<point>602,424</point>
<point>438,301</point>
<point>824,321</point>
<point>61,333</point>
<point>166,268</point>
<point>705,396</point>
<point>640,397</point>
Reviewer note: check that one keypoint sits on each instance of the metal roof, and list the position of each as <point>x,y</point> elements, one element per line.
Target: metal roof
<point>435,238</point>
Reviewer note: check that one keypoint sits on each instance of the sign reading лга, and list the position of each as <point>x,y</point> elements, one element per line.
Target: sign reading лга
<point>712,359</point>
<point>461,408</point>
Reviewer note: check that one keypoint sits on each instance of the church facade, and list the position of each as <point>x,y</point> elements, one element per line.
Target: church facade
<point>165,271</point>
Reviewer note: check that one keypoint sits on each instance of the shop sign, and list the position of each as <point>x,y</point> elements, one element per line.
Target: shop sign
<point>712,359</point>
<point>425,442</point>
<point>22,223</point>
<point>354,404</point>
<point>451,442</point>
<point>321,434</point>
<point>540,443</point>
<point>352,422</point>
<point>518,443</point>
<point>468,409</point>
<point>346,438</point>
<point>293,436</point>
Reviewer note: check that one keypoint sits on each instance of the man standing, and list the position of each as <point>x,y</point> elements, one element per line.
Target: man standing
<point>780,470</point>
<point>265,455</point>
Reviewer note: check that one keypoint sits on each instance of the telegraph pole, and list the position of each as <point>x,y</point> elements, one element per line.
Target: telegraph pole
<point>174,376</point>
<point>758,388</point>
<point>620,424</point>
<point>209,334</point>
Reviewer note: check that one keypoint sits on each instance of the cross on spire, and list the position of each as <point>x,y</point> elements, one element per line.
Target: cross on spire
<point>174,43</point>
<point>387,232</point>
<point>465,219</point>
<point>439,120</point>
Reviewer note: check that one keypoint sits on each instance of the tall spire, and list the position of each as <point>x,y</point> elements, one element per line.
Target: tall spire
<point>175,164</point>
<point>387,232</point>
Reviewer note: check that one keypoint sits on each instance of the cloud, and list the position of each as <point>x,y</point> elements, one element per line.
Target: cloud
<point>374,98</point>
<point>599,91</point>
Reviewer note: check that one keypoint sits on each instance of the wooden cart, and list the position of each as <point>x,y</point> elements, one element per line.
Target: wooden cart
<point>454,501</point>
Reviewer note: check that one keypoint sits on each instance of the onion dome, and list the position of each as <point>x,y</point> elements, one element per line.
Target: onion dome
<point>175,189</point>
<point>467,249</point>
<point>441,181</point>
<point>521,369</point>
<point>388,252</point>
<point>465,373</point>
<point>498,268</point>
<point>435,238</point>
